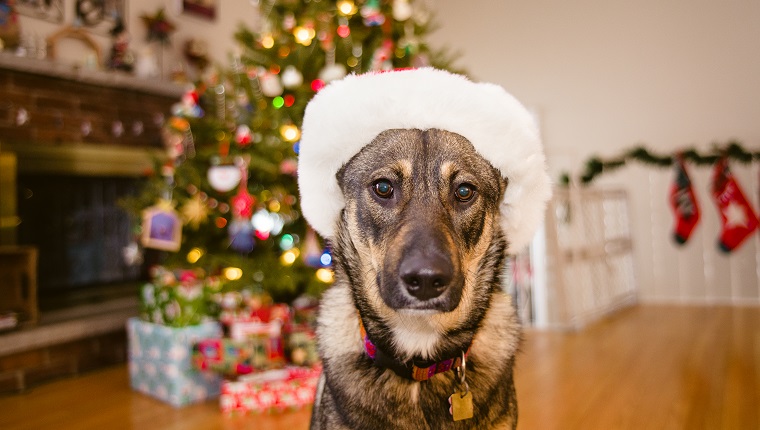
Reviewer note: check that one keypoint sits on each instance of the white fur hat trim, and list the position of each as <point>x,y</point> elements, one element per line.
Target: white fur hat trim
<point>348,114</point>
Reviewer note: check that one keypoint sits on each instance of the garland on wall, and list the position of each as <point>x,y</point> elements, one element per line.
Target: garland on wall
<point>595,166</point>
<point>738,218</point>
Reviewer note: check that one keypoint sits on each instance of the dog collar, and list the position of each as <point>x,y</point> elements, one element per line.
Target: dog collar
<point>409,369</point>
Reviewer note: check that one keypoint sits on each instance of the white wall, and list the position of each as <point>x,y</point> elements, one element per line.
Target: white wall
<point>605,76</point>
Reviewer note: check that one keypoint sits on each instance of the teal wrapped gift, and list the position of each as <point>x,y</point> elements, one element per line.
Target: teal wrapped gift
<point>160,362</point>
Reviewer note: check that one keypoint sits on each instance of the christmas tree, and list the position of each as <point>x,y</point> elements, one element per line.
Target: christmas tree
<point>232,142</point>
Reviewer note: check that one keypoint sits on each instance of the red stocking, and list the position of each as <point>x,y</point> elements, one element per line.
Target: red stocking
<point>738,220</point>
<point>684,204</point>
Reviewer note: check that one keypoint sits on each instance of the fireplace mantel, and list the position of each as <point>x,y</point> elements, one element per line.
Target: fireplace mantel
<point>82,160</point>
<point>109,79</point>
<point>62,120</point>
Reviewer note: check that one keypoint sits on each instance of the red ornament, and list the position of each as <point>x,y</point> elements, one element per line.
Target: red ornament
<point>243,135</point>
<point>344,31</point>
<point>242,204</point>
<point>317,84</point>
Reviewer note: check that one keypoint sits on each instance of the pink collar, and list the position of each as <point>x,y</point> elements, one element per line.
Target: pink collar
<point>408,369</point>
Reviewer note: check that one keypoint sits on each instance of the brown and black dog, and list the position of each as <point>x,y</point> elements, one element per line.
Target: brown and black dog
<point>419,259</point>
<point>423,182</point>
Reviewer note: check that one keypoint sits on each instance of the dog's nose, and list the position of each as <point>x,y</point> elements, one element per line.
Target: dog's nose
<point>426,277</point>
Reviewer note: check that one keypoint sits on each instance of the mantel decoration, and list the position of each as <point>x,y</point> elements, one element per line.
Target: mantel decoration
<point>150,62</point>
<point>159,27</point>
<point>78,33</point>
<point>48,10</point>
<point>121,57</point>
<point>738,218</point>
<point>10,32</point>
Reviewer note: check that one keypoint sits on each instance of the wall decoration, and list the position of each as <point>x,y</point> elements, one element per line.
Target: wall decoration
<point>204,8</point>
<point>99,16</point>
<point>48,10</point>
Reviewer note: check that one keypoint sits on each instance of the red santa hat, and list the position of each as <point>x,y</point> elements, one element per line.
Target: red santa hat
<point>348,114</point>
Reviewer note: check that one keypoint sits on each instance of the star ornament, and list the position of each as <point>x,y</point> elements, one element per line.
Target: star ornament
<point>194,212</point>
<point>735,215</point>
<point>158,26</point>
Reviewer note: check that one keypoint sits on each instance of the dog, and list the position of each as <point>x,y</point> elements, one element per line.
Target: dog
<point>419,257</point>
<point>416,331</point>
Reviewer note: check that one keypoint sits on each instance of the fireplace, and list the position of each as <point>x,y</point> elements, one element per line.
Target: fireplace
<point>83,141</point>
<point>80,232</point>
<point>68,201</point>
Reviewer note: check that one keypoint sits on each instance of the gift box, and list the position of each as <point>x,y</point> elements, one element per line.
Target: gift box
<point>305,312</point>
<point>263,337</point>
<point>301,346</point>
<point>178,298</point>
<point>290,388</point>
<point>160,362</point>
<point>265,314</point>
<point>229,357</point>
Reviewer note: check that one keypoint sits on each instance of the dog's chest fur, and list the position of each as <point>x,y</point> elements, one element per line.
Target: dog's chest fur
<point>357,395</point>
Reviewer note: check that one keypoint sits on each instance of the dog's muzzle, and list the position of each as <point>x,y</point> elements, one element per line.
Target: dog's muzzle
<point>423,277</point>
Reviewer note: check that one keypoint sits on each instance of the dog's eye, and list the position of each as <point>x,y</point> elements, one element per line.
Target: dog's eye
<point>465,192</point>
<point>383,188</point>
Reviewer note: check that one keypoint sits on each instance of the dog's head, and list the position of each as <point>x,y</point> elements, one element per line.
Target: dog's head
<point>422,208</point>
<point>420,238</point>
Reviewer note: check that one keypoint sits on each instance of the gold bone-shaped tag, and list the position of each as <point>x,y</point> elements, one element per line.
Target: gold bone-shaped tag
<point>461,405</point>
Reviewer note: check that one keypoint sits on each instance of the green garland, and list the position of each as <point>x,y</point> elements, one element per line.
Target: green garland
<point>595,166</point>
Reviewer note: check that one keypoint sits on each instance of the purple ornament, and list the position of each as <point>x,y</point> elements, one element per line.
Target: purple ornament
<point>241,236</point>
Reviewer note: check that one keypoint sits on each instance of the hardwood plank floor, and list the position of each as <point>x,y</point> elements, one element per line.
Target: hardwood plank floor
<point>647,367</point>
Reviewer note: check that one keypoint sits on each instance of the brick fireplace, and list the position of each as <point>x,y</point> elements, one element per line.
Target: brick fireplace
<point>79,141</point>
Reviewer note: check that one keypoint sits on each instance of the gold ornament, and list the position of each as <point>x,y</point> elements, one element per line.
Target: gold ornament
<point>194,212</point>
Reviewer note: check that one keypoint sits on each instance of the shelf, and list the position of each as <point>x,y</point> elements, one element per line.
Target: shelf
<point>111,79</point>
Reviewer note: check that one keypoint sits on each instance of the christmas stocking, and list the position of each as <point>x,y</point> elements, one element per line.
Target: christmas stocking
<point>738,220</point>
<point>684,204</point>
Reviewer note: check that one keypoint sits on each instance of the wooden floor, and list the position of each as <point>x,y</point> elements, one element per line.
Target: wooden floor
<point>647,367</point>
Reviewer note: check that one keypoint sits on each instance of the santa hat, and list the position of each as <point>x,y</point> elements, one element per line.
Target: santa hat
<point>348,114</point>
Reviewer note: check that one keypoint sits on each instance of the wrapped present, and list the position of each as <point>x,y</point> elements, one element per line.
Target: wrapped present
<point>160,362</point>
<point>241,329</point>
<point>301,346</point>
<point>224,356</point>
<point>305,312</point>
<point>262,314</point>
<point>263,332</point>
<point>177,298</point>
<point>279,390</point>
<point>231,357</point>
<point>264,339</point>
